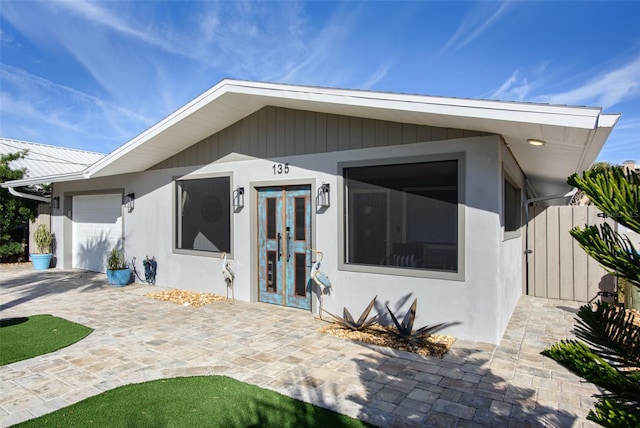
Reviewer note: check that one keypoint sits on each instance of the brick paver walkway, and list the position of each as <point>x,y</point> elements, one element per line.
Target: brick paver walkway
<point>138,339</point>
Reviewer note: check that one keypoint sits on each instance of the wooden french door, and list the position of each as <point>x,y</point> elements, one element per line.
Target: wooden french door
<point>284,242</point>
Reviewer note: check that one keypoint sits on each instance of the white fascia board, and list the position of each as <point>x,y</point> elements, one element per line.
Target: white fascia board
<point>595,143</point>
<point>44,179</point>
<point>580,117</point>
<point>608,120</point>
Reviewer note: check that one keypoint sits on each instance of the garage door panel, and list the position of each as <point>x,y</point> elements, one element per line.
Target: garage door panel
<point>97,228</point>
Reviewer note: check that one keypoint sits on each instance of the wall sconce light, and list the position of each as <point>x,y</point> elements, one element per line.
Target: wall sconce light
<point>322,197</point>
<point>238,198</point>
<point>55,203</point>
<point>129,201</point>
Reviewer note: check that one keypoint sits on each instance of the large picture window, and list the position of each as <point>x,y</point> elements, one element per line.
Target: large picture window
<point>204,214</point>
<point>403,216</point>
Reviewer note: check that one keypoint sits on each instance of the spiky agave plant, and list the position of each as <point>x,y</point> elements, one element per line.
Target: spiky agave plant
<point>347,321</point>
<point>405,328</point>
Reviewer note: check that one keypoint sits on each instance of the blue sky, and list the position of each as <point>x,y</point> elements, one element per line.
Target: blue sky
<point>93,75</point>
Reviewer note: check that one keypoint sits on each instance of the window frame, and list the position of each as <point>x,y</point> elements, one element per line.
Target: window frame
<point>343,231</point>
<point>511,234</point>
<point>176,223</point>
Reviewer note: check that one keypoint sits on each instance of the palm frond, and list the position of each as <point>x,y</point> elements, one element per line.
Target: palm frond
<point>614,191</point>
<point>611,333</point>
<point>612,414</point>
<point>577,357</point>
<point>612,250</point>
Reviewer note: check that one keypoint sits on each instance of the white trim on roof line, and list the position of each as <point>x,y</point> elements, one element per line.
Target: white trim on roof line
<point>42,179</point>
<point>253,88</point>
<point>14,192</point>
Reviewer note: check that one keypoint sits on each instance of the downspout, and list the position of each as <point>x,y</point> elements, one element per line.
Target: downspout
<point>14,192</point>
<point>528,202</point>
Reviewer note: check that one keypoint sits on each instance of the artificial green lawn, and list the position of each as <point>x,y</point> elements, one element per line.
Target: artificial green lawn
<point>23,338</point>
<point>201,401</point>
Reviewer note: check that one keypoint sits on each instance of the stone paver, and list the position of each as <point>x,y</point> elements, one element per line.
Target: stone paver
<point>137,339</point>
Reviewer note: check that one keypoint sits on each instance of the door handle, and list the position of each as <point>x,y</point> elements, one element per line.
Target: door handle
<point>288,244</point>
<point>279,246</point>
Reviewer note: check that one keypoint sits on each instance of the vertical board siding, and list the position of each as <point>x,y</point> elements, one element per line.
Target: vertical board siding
<point>277,132</point>
<point>43,216</point>
<point>566,276</point>
<point>558,267</point>
<point>553,253</point>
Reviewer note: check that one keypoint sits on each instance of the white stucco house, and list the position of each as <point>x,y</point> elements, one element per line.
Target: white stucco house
<point>407,196</point>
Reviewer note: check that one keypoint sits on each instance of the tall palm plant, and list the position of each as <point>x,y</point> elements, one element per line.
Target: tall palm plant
<point>608,354</point>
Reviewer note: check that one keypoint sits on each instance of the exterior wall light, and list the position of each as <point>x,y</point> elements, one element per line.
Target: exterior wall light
<point>323,196</point>
<point>55,203</point>
<point>129,201</point>
<point>238,198</point>
<point>536,142</point>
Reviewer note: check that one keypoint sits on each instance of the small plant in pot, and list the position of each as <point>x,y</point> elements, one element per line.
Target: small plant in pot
<point>118,272</point>
<point>43,239</point>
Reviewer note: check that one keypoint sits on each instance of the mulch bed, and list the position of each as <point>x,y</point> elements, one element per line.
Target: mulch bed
<point>433,344</point>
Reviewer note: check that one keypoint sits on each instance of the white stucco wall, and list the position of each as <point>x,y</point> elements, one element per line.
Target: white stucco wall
<point>511,249</point>
<point>481,302</point>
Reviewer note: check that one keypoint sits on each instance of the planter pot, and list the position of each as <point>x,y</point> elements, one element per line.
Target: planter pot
<point>41,261</point>
<point>119,277</point>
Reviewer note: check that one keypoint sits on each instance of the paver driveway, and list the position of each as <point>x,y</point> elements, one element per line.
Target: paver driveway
<point>138,339</point>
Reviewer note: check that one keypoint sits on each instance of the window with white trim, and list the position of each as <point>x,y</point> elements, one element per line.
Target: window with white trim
<point>403,216</point>
<point>203,214</point>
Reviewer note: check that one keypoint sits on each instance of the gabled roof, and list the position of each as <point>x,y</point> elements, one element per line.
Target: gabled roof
<point>44,161</point>
<point>574,135</point>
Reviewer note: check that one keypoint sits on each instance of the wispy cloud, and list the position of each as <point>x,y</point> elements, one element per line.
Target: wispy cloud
<point>513,89</point>
<point>477,22</point>
<point>377,76</point>
<point>605,90</point>
<point>122,23</point>
<point>27,99</point>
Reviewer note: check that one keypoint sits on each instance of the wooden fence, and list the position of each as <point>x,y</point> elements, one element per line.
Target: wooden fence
<point>557,267</point>
<point>43,217</point>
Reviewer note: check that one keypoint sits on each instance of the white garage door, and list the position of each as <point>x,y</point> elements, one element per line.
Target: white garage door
<point>97,228</point>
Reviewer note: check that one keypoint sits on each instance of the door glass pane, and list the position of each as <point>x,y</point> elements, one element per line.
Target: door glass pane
<point>271,218</point>
<point>301,275</point>
<point>300,219</point>
<point>272,272</point>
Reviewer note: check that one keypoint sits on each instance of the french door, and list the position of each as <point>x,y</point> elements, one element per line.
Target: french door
<point>284,242</point>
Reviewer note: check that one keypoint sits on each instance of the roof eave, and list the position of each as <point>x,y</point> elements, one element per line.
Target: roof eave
<point>244,97</point>
<point>44,180</point>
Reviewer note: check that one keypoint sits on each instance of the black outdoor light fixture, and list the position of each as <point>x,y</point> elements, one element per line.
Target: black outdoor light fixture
<point>323,196</point>
<point>238,198</point>
<point>129,201</point>
<point>55,202</point>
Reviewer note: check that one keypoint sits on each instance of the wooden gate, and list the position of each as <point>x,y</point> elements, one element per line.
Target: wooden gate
<point>557,267</point>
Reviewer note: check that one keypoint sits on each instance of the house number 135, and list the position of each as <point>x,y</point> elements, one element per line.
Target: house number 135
<point>280,168</point>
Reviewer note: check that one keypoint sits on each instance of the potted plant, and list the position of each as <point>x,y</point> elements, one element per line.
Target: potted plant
<point>118,273</point>
<point>43,239</point>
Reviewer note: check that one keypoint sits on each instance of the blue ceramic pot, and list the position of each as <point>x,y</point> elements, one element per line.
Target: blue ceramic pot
<point>119,277</point>
<point>41,261</point>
